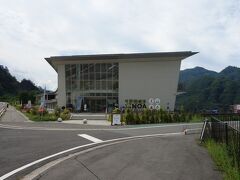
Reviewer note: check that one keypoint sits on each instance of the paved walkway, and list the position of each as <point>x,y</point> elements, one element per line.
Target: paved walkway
<point>12,115</point>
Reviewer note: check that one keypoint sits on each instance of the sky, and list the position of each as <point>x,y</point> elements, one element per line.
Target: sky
<point>31,30</point>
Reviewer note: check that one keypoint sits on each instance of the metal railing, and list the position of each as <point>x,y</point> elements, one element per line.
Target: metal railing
<point>225,129</point>
<point>3,108</point>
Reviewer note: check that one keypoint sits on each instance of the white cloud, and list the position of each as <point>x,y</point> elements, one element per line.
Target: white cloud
<point>32,30</point>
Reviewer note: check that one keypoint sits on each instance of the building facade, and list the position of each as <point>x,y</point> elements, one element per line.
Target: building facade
<point>97,83</point>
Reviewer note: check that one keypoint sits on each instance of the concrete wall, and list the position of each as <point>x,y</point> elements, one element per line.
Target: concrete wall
<point>144,80</point>
<point>61,93</point>
<point>138,80</point>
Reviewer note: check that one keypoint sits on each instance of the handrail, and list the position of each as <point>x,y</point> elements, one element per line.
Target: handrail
<point>2,111</point>
<point>235,124</point>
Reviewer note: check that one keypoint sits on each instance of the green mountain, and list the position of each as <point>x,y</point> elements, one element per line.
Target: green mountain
<point>10,87</point>
<point>206,90</point>
<point>195,73</point>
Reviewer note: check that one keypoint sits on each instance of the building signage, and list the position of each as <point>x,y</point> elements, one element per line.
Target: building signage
<point>151,107</point>
<point>157,107</point>
<point>154,103</point>
<point>139,105</point>
<point>151,100</point>
<point>135,104</point>
<point>157,101</point>
<point>116,119</point>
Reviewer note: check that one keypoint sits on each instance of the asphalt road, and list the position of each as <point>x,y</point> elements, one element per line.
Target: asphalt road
<point>167,158</point>
<point>19,147</point>
<point>23,142</point>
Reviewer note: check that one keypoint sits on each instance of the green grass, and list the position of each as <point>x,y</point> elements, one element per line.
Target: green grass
<point>196,119</point>
<point>224,162</point>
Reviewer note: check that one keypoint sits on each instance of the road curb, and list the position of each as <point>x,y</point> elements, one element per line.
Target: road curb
<point>95,129</point>
<point>192,131</point>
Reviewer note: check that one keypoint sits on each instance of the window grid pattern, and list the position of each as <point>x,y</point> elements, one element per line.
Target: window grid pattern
<point>98,79</point>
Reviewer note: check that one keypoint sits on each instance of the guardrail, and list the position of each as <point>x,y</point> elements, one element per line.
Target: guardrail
<point>3,108</point>
<point>225,129</point>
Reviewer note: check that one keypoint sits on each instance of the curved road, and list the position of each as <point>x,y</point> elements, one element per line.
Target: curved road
<point>174,157</point>
<point>23,142</point>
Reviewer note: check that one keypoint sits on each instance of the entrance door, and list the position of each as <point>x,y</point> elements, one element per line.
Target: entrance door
<point>96,104</point>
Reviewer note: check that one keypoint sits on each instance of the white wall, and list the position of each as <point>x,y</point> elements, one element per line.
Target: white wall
<point>61,93</point>
<point>144,80</point>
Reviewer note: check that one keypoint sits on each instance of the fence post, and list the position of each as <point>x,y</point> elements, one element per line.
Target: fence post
<point>226,133</point>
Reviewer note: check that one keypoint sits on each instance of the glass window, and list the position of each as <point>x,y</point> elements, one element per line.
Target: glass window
<point>115,85</point>
<point>85,76</point>
<point>103,67</point>
<point>109,85</point>
<point>109,76</point>
<point>97,67</point>
<point>98,85</point>
<point>115,75</point>
<point>91,85</point>
<point>81,85</point>
<point>98,76</point>
<point>104,85</point>
<point>109,67</point>
<point>74,85</point>
<point>91,68</point>
<point>103,76</point>
<point>78,71</point>
<point>86,85</point>
<point>85,68</point>
<point>91,76</point>
<point>96,79</point>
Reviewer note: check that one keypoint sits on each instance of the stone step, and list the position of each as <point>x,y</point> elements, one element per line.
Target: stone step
<point>88,116</point>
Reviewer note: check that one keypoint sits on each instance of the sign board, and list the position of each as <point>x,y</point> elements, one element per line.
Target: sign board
<point>151,100</point>
<point>157,101</point>
<point>29,104</point>
<point>157,107</point>
<point>116,119</point>
<point>238,107</point>
<point>151,107</point>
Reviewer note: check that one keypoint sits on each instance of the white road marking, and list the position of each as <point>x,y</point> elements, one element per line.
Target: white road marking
<point>90,138</point>
<point>78,147</point>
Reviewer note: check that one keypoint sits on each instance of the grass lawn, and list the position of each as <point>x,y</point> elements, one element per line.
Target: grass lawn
<point>224,162</point>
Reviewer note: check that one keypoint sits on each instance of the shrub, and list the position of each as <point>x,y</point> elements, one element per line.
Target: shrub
<point>176,117</point>
<point>116,111</point>
<point>153,116</point>
<point>65,115</point>
<point>137,118</point>
<point>34,110</point>
<point>18,107</point>
<point>129,116</point>
<point>57,111</point>
<point>28,110</point>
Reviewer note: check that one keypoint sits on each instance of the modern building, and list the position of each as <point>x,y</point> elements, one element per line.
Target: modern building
<point>97,83</point>
<point>50,101</point>
<point>235,108</point>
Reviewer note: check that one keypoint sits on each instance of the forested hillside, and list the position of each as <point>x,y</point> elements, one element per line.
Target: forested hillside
<point>11,88</point>
<point>205,90</point>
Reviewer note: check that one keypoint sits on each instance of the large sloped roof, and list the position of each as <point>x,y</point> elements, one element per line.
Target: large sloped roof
<point>181,54</point>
